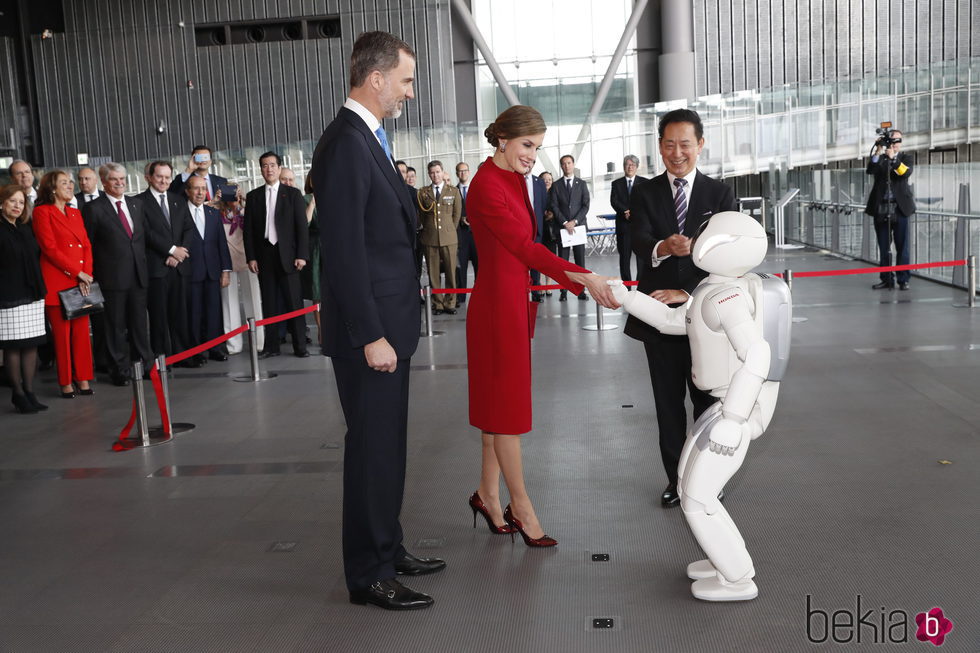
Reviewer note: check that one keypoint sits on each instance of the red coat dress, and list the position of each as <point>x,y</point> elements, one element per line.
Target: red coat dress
<point>65,248</point>
<point>498,320</point>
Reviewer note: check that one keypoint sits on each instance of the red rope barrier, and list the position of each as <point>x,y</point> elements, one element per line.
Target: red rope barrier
<point>890,268</point>
<point>288,316</point>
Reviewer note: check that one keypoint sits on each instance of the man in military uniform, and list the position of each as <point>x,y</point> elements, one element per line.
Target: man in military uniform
<point>440,208</point>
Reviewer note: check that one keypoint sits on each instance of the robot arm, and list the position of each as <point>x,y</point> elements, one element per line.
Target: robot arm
<point>670,321</point>
<point>730,310</point>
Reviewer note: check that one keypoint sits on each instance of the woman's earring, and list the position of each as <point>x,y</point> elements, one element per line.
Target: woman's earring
<point>503,147</point>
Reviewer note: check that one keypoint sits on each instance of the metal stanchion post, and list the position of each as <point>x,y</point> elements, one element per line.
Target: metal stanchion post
<point>971,279</point>
<point>253,358</point>
<point>175,427</point>
<point>599,326</point>
<point>788,278</point>
<point>144,437</point>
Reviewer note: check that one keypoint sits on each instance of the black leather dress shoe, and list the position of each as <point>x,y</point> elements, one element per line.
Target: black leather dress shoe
<point>536,296</point>
<point>583,297</point>
<point>903,286</point>
<point>563,296</point>
<point>437,311</point>
<point>409,565</point>
<point>670,498</point>
<point>391,595</point>
<point>881,285</point>
<point>120,381</point>
<point>217,356</point>
<point>449,311</point>
<point>268,354</point>
<point>301,354</point>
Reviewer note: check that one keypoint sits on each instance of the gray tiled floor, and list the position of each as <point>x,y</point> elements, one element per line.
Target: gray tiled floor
<point>844,496</point>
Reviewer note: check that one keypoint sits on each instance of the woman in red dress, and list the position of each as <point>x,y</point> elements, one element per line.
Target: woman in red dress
<point>499,319</point>
<point>66,261</point>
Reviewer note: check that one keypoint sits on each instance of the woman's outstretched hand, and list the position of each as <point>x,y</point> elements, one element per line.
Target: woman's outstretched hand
<point>598,287</point>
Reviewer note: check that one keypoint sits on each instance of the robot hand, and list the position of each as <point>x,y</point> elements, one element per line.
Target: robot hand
<point>619,291</point>
<point>725,436</point>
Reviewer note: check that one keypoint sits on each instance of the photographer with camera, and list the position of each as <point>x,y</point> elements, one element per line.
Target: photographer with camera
<point>891,203</point>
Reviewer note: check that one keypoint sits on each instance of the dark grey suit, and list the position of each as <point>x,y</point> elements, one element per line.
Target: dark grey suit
<point>568,205</point>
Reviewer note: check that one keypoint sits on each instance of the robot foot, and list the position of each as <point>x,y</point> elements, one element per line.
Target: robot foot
<point>713,589</point>
<point>701,569</point>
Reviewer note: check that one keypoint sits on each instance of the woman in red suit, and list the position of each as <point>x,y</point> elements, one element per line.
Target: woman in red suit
<point>499,319</point>
<point>66,261</point>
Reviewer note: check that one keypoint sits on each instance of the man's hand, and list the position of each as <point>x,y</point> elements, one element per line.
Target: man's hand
<point>676,245</point>
<point>670,296</point>
<point>380,356</point>
<point>570,227</point>
<point>626,214</point>
<point>180,253</point>
<point>253,267</point>
<point>299,264</point>
<point>191,165</point>
<point>172,262</point>
<point>225,279</point>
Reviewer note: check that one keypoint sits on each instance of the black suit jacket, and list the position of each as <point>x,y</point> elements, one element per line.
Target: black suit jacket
<point>178,184</point>
<point>570,206</point>
<point>900,184</point>
<point>370,283</point>
<point>620,200</point>
<point>540,205</point>
<point>652,219</point>
<point>119,262</point>
<point>291,227</point>
<point>168,233</point>
<point>209,255</point>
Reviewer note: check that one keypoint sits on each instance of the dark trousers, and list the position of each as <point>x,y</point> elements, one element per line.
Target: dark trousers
<point>578,252</point>
<point>900,236</point>
<point>535,274</point>
<point>375,406</point>
<point>100,355</point>
<point>276,285</point>
<point>625,250</point>
<point>204,312</point>
<point>166,303</point>
<point>466,253</point>
<point>669,360</point>
<point>127,334</point>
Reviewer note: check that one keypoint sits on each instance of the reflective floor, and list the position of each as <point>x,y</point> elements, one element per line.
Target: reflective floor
<point>863,496</point>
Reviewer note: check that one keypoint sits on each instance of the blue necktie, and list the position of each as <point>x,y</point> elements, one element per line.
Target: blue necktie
<point>380,133</point>
<point>680,204</point>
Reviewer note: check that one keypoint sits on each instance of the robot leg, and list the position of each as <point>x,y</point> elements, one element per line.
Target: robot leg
<point>699,428</point>
<point>714,529</point>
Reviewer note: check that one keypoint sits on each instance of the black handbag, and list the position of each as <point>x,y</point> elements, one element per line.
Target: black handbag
<point>74,304</point>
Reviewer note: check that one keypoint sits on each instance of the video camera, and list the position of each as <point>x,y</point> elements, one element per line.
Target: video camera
<point>886,135</point>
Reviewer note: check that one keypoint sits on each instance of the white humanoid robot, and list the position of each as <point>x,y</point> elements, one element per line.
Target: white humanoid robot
<point>739,327</point>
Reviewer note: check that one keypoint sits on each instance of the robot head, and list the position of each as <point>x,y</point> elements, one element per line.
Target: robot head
<point>729,244</point>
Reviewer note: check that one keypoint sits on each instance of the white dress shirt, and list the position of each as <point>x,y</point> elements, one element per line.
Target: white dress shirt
<point>657,260</point>
<point>529,182</point>
<point>197,213</point>
<point>271,195</point>
<point>369,118</point>
<point>207,179</point>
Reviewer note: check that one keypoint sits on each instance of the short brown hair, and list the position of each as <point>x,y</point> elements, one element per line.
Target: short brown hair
<point>7,192</point>
<point>518,120</point>
<point>48,185</point>
<point>375,51</point>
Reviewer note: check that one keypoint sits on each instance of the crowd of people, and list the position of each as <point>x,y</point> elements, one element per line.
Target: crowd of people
<point>174,265</point>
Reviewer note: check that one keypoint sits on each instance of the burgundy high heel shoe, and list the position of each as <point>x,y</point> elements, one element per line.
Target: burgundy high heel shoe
<point>476,505</point>
<point>542,541</point>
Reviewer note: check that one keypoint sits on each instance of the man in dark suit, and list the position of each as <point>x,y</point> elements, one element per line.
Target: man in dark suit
<point>88,185</point>
<point>210,268</point>
<point>891,205</point>
<point>371,316</point>
<point>570,204</point>
<point>537,194</point>
<point>277,247</point>
<point>167,306</point>
<point>466,248</point>
<point>665,213</point>
<point>619,197</point>
<point>117,228</point>
<point>200,165</point>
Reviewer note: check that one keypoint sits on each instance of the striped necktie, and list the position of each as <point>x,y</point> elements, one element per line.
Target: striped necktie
<point>680,204</point>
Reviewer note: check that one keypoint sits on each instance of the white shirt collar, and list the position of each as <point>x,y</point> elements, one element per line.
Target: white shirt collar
<point>567,179</point>
<point>193,207</point>
<point>438,186</point>
<point>274,187</point>
<point>689,177</point>
<point>115,199</point>
<point>369,118</point>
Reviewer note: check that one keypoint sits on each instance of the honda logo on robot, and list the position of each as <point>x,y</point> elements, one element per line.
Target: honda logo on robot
<point>870,626</point>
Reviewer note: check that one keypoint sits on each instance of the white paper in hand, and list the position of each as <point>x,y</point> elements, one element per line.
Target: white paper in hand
<point>578,238</point>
